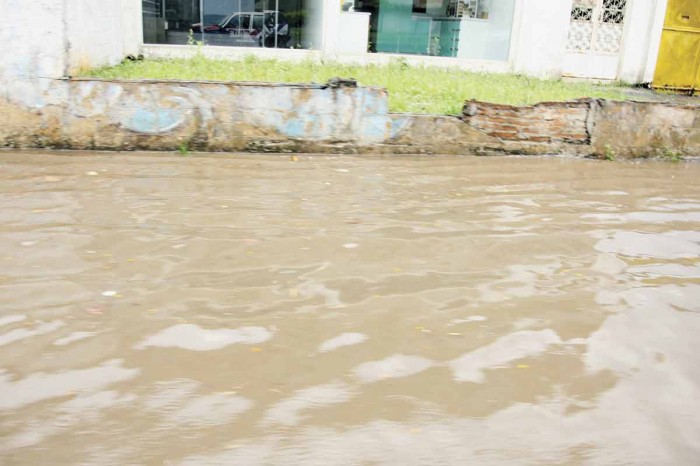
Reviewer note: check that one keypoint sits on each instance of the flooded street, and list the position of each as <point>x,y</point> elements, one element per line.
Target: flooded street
<point>245,310</point>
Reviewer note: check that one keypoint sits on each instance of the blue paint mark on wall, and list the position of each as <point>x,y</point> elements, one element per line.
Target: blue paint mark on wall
<point>374,128</point>
<point>398,125</point>
<point>294,128</point>
<point>155,122</point>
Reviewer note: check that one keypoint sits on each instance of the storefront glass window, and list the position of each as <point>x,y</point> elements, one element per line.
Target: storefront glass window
<point>477,29</point>
<point>239,23</point>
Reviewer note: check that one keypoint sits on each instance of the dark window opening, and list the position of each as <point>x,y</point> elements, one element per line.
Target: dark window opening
<point>420,6</point>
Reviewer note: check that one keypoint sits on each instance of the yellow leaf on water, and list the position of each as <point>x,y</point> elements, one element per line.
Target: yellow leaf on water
<point>255,349</point>
<point>522,366</point>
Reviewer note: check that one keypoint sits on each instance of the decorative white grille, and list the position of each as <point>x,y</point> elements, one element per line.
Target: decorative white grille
<point>596,26</point>
<point>613,11</point>
<point>608,38</point>
<point>580,36</point>
<point>467,9</point>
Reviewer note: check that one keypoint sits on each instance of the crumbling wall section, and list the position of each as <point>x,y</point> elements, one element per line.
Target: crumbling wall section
<point>546,122</point>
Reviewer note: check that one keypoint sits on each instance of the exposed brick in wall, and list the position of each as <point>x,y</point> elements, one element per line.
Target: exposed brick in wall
<point>546,122</point>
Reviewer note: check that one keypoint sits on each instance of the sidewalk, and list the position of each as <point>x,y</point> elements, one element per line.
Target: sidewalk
<point>641,94</point>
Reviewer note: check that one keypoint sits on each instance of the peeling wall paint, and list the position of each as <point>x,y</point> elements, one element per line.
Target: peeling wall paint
<point>220,110</point>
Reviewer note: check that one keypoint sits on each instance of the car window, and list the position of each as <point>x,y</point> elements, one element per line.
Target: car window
<point>224,21</point>
<point>257,22</point>
<point>234,23</point>
<point>245,22</point>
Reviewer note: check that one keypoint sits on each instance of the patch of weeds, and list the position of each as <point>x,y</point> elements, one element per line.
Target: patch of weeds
<point>399,63</point>
<point>183,149</point>
<point>191,41</point>
<point>609,153</point>
<point>671,155</point>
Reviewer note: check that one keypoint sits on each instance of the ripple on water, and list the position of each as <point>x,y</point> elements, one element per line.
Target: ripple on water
<point>670,245</point>
<point>345,339</point>
<point>289,411</point>
<point>195,338</point>
<point>396,366</point>
<point>470,366</point>
<point>42,386</point>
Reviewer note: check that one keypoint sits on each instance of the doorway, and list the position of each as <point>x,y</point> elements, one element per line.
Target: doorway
<point>595,39</point>
<point>678,65</point>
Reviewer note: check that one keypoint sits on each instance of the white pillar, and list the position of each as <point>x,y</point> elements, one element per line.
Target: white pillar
<point>640,46</point>
<point>540,32</point>
<point>654,41</point>
<point>33,36</point>
<point>331,13</point>
<point>132,27</point>
<point>313,32</point>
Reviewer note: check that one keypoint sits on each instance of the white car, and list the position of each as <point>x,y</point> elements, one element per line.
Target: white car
<point>252,26</point>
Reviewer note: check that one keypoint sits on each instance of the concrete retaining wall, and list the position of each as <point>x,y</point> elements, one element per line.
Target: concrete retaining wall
<point>643,129</point>
<point>213,116</point>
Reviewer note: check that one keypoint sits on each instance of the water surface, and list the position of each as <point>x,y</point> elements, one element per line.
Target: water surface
<point>157,309</point>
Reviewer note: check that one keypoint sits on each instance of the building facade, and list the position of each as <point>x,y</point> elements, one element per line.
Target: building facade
<point>596,39</point>
<point>599,39</point>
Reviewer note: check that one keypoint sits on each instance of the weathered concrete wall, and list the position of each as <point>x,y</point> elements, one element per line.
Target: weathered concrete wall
<point>215,116</point>
<point>33,53</point>
<point>203,115</point>
<point>102,32</point>
<point>45,40</point>
<point>645,129</point>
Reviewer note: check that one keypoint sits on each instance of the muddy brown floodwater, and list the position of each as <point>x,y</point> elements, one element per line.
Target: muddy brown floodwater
<point>158,309</point>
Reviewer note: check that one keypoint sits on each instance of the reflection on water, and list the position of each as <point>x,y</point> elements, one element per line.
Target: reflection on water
<point>195,338</point>
<point>258,310</point>
<point>346,339</point>
<point>513,347</point>
<point>40,386</point>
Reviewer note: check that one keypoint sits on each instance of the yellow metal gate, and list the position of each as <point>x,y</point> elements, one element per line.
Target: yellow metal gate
<point>678,66</point>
